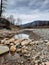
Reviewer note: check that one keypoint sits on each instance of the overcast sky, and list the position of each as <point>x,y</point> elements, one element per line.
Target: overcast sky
<point>28,10</point>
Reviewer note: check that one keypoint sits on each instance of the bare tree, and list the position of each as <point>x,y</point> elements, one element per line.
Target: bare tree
<point>11,19</point>
<point>2,6</point>
<point>19,21</point>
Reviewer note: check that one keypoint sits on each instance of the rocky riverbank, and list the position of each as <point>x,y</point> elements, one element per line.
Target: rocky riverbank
<point>30,52</point>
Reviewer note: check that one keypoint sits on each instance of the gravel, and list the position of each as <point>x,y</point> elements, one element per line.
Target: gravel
<point>43,33</point>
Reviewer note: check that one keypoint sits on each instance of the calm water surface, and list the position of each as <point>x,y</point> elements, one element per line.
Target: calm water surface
<point>21,36</point>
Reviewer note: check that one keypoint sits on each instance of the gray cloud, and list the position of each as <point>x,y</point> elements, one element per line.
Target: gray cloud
<point>27,6</point>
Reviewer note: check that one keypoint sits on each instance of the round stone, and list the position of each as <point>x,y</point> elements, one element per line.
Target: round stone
<point>13,48</point>
<point>11,44</point>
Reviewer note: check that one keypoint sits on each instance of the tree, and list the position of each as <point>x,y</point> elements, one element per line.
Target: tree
<point>19,21</point>
<point>2,6</point>
<point>11,19</point>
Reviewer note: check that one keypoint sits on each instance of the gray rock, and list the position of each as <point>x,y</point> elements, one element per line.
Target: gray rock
<point>3,49</point>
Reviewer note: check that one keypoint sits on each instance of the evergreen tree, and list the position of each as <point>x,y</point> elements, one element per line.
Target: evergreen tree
<point>2,4</point>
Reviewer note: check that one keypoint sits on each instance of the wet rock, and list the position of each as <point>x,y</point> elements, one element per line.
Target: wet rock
<point>3,49</point>
<point>13,48</point>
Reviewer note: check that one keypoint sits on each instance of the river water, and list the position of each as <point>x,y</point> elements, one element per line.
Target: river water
<point>21,36</point>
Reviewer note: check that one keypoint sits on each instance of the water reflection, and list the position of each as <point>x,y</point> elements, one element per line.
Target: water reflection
<point>21,36</point>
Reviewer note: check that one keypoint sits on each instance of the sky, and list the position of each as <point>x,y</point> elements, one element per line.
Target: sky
<point>28,10</point>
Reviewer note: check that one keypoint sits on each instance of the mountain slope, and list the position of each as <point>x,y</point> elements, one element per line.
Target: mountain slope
<point>34,24</point>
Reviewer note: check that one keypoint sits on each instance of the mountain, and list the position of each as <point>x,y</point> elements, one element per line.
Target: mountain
<point>35,24</point>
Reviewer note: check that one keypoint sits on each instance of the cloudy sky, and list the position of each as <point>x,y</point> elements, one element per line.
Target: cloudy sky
<point>28,10</point>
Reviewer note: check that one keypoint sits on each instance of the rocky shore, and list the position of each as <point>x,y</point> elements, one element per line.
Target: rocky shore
<point>31,51</point>
<point>34,52</point>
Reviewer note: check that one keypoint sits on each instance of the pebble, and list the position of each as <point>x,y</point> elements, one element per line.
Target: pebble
<point>2,41</point>
<point>32,43</point>
<point>11,40</point>
<point>39,42</point>
<point>25,47</point>
<point>11,44</point>
<point>17,44</point>
<point>24,51</point>
<point>27,55</point>
<point>13,48</point>
<point>18,41</point>
<point>36,42</point>
<point>45,41</point>
<point>6,43</point>
<point>18,50</point>
<point>37,55</point>
<point>25,42</point>
<point>47,63</point>
<point>47,46</point>
<point>22,62</point>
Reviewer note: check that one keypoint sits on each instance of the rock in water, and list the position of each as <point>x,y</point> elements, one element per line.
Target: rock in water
<point>3,49</point>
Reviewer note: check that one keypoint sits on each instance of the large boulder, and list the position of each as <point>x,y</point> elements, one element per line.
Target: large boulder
<point>3,49</point>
